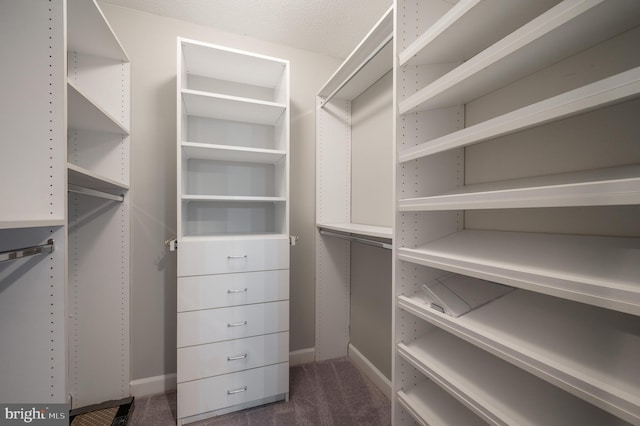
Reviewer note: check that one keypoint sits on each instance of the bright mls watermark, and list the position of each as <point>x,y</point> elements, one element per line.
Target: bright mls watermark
<point>34,414</point>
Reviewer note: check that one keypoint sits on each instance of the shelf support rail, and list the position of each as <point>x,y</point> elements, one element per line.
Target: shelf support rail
<point>94,193</point>
<point>381,46</point>
<point>361,240</point>
<point>27,251</point>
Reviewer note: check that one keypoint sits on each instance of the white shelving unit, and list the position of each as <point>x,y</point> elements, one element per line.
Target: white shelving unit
<point>517,162</point>
<point>69,164</point>
<point>233,230</point>
<point>368,63</point>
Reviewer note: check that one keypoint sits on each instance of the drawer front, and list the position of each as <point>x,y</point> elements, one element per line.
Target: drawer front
<point>217,291</point>
<point>213,359</point>
<point>215,325</point>
<point>229,256</point>
<point>214,393</point>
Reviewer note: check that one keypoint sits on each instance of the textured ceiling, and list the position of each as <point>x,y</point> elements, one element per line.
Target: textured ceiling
<point>332,27</point>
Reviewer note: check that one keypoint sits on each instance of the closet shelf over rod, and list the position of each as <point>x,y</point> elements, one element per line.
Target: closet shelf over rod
<point>357,239</point>
<point>27,251</point>
<point>94,193</point>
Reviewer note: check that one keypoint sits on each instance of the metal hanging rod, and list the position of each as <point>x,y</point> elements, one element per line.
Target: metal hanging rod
<point>27,251</point>
<point>94,193</point>
<point>361,240</point>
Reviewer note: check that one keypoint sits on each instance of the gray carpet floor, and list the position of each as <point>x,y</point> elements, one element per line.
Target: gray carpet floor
<point>322,393</point>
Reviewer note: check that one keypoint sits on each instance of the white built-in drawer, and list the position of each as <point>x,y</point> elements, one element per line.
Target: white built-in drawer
<point>215,325</point>
<point>205,257</point>
<point>214,393</point>
<point>216,291</point>
<point>213,359</point>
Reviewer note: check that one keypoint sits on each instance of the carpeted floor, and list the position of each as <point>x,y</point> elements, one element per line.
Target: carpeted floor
<point>321,394</point>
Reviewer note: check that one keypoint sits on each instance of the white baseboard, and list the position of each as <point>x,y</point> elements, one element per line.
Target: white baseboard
<point>153,385</point>
<point>302,356</point>
<point>369,370</point>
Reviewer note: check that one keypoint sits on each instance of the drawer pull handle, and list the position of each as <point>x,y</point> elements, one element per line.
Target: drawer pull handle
<point>236,324</point>
<point>244,290</point>
<point>237,357</point>
<point>243,256</point>
<point>233,392</point>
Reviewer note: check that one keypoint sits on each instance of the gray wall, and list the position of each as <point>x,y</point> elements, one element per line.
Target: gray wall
<point>150,42</point>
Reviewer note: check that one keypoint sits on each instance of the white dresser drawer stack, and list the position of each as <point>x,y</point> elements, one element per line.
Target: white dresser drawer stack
<point>233,225</point>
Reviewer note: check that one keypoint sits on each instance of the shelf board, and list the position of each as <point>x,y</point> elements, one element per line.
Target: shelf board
<point>89,180</point>
<point>233,108</point>
<point>469,27</point>
<point>609,91</point>
<point>565,29</point>
<point>233,198</point>
<point>89,32</point>
<point>430,405</point>
<point>602,187</point>
<point>601,271</point>
<point>204,60</point>
<point>367,63</point>
<point>83,113</point>
<point>359,229</point>
<point>497,391</point>
<point>10,224</point>
<point>225,237</point>
<point>231,153</point>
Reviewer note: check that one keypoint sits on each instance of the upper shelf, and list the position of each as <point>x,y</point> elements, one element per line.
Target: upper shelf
<point>369,61</point>
<point>359,229</point>
<point>83,113</point>
<point>231,153</point>
<point>601,271</point>
<point>87,179</point>
<point>89,32</point>
<point>566,29</point>
<point>205,60</point>
<point>223,107</point>
<point>602,187</point>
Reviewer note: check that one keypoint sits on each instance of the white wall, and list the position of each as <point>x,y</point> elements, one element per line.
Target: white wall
<point>150,42</point>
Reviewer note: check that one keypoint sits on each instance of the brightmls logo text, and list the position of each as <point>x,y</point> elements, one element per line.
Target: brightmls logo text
<point>37,414</point>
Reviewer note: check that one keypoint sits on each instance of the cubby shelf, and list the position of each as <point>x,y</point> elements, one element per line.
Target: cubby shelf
<point>87,179</point>
<point>233,198</point>
<point>359,229</point>
<point>84,113</point>
<point>497,391</point>
<point>231,153</point>
<point>602,187</point>
<point>615,89</point>
<point>233,108</point>
<point>566,29</point>
<point>602,271</point>
<point>89,32</point>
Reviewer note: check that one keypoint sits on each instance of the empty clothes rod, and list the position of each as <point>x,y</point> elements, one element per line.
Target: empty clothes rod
<point>27,251</point>
<point>357,239</point>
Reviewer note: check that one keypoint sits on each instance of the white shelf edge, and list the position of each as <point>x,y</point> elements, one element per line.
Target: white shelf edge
<point>217,237</point>
<point>85,178</point>
<point>233,198</point>
<point>614,89</point>
<point>490,255</point>
<point>83,106</point>
<point>524,38</point>
<point>359,229</point>
<point>41,223</point>
<point>603,187</point>
<point>231,153</point>
<point>270,112</point>
<point>378,37</point>
<point>574,380</point>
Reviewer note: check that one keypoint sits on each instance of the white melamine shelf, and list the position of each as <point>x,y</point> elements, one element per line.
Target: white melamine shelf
<point>231,153</point>
<point>203,59</point>
<point>602,187</point>
<point>89,32</point>
<point>359,229</point>
<point>83,113</point>
<point>615,89</point>
<point>233,108</point>
<point>432,406</point>
<point>87,179</point>
<point>567,28</point>
<point>368,62</point>
<point>499,392</point>
<point>30,223</point>
<point>467,28</point>
<point>233,198</point>
<point>601,271</point>
<point>236,237</point>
